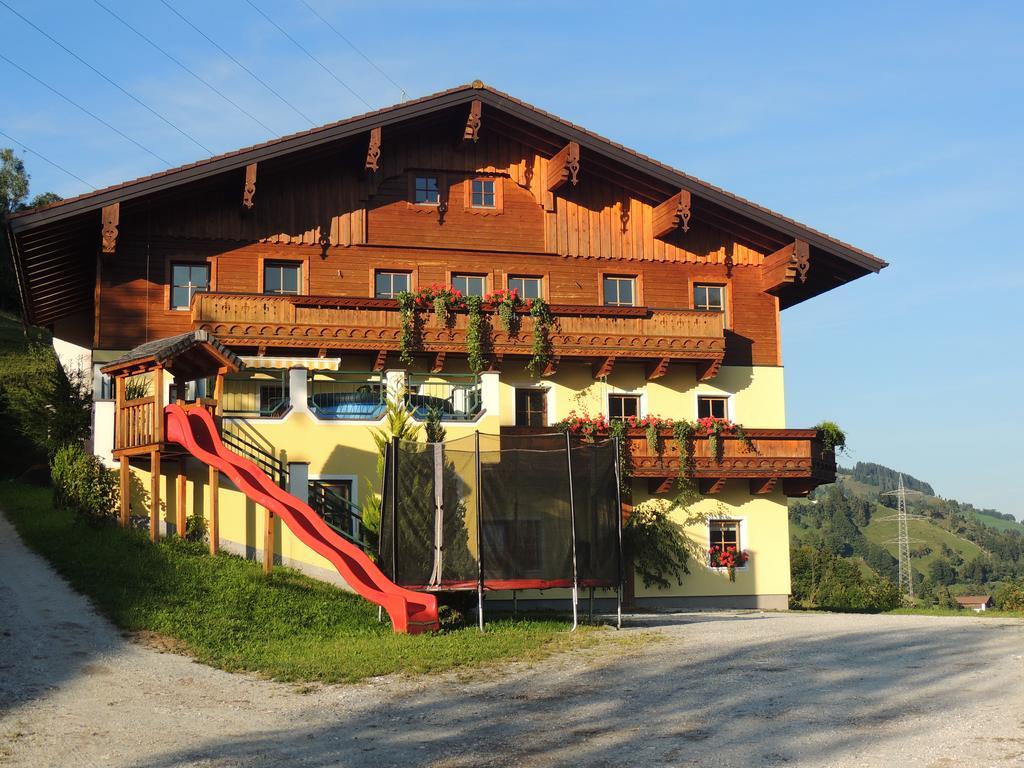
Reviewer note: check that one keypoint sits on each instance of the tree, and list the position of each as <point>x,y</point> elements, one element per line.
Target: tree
<point>942,571</point>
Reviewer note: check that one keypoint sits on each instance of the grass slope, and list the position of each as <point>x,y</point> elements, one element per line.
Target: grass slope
<point>921,532</point>
<point>226,613</point>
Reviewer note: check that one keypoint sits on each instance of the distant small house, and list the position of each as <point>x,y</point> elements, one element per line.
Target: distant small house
<point>975,602</point>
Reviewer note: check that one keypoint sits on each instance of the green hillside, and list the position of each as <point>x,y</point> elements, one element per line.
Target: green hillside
<point>924,535</point>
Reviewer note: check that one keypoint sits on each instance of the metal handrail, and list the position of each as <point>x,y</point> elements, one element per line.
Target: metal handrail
<point>456,401</point>
<point>262,458</point>
<point>344,517</point>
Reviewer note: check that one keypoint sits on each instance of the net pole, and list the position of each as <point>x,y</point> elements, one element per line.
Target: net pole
<point>479,538</point>
<point>618,527</point>
<point>572,523</point>
<point>394,509</point>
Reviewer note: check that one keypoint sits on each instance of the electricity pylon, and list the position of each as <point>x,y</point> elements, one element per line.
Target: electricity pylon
<point>903,538</point>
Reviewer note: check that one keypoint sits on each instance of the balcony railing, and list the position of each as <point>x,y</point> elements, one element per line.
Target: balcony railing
<point>794,459</point>
<point>339,323</point>
<point>455,397</point>
<point>347,395</point>
<point>256,394</point>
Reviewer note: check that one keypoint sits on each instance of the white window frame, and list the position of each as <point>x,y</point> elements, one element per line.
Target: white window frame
<point>744,541</point>
<point>640,392</point>
<point>631,279</point>
<point>730,403</point>
<point>415,190</point>
<point>549,399</point>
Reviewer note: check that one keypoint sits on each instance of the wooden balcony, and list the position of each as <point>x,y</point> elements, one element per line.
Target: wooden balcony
<point>795,457</point>
<point>597,333</point>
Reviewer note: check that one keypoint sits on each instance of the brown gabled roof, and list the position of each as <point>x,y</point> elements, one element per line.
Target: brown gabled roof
<point>404,111</point>
<point>973,599</point>
<point>195,352</point>
<point>67,227</point>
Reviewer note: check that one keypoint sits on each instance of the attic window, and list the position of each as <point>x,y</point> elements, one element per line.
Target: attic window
<point>482,194</point>
<point>427,191</point>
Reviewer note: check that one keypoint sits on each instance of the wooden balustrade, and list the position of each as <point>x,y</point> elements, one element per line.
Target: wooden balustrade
<point>797,457</point>
<point>135,423</point>
<point>336,323</point>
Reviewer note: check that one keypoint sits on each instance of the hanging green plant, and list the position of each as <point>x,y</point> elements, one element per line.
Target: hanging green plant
<point>477,336</point>
<point>541,351</point>
<point>617,429</point>
<point>506,303</point>
<point>408,340</point>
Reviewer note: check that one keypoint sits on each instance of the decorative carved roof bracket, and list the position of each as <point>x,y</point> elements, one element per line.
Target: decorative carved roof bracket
<point>111,219</point>
<point>785,266</point>
<point>381,361</point>
<point>373,150</point>
<point>605,368</point>
<point>763,486</point>
<point>551,367</point>
<point>708,369</point>
<point>712,486</point>
<point>564,167</point>
<point>249,190</point>
<point>472,129</point>
<point>656,485</point>
<point>657,370</point>
<point>672,214</point>
<point>438,365</point>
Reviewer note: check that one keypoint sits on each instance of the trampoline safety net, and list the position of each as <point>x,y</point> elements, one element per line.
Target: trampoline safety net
<point>509,510</point>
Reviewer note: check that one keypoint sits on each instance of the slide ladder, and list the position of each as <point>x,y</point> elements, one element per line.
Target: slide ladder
<point>196,431</point>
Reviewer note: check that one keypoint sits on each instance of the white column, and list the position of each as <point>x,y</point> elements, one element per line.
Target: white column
<point>394,379</point>
<point>103,431</point>
<point>298,480</point>
<point>298,389</point>
<point>490,393</point>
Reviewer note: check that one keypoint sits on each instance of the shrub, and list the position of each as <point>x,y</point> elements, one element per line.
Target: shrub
<point>82,484</point>
<point>656,545</point>
<point>1010,596</point>
<point>833,436</point>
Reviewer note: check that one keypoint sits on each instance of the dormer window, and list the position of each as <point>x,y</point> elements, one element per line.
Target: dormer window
<point>482,194</point>
<point>427,191</point>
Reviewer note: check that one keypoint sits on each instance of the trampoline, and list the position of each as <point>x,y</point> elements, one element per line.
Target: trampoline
<point>502,512</point>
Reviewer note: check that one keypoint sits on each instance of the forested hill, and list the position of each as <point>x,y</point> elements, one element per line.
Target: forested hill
<point>956,548</point>
<point>885,479</point>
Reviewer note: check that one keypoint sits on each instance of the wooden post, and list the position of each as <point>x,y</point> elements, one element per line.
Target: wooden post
<point>214,532</point>
<point>182,518</point>
<point>126,492</point>
<point>268,542</point>
<point>154,496</point>
<point>119,437</point>
<point>158,405</point>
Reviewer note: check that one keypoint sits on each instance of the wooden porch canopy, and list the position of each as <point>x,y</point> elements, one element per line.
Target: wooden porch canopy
<point>187,357</point>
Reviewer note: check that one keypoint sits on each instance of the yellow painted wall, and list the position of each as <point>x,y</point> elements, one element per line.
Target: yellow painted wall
<point>345,448</point>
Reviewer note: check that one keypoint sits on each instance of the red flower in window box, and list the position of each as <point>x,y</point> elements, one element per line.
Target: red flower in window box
<point>727,557</point>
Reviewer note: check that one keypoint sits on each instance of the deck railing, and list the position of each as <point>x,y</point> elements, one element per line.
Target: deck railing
<point>135,423</point>
<point>346,395</point>
<point>323,322</point>
<point>256,394</point>
<point>340,513</point>
<point>455,397</point>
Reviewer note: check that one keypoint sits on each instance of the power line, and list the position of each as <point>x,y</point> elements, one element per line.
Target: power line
<point>252,74</point>
<point>93,115</point>
<point>305,50</point>
<point>353,47</point>
<point>134,98</point>
<point>180,64</point>
<point>44,157</point>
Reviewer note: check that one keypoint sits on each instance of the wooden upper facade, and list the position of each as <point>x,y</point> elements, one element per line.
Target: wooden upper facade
<point>338,205</point>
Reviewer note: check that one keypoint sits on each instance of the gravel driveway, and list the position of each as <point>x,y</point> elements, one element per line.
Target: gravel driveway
<point>711,689</point>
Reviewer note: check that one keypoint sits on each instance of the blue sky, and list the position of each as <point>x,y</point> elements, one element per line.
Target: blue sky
<point>896,127</point>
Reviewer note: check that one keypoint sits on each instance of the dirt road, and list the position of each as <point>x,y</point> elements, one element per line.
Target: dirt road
<point>739,689</point>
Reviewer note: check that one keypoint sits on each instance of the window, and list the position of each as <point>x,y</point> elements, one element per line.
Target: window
<point>482,194</point>
<point>387,285</point>
<point>623,406</point>
<point>282,277</point>
<point>620,291</point>
<point>709,298</point>
<point>531,408</point>
<point>186,280</point>
<point>470,285</point>
<point>527,287</point>
<point>725,533</point>
<point>716,407</point>
<point>426,191</point>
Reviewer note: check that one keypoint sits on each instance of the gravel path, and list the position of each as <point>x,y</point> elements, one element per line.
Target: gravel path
<point>729,689</point>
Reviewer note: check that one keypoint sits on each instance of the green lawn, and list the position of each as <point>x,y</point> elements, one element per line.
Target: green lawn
<point>990,614</point>
<point>226,613</point>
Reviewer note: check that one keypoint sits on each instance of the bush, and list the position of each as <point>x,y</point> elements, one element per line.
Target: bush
<point>82,484</point>
<point>1010,596</point>
<point>656,545</point>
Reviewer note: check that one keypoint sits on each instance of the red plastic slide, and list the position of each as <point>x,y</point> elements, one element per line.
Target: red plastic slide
<point>411,612</point>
